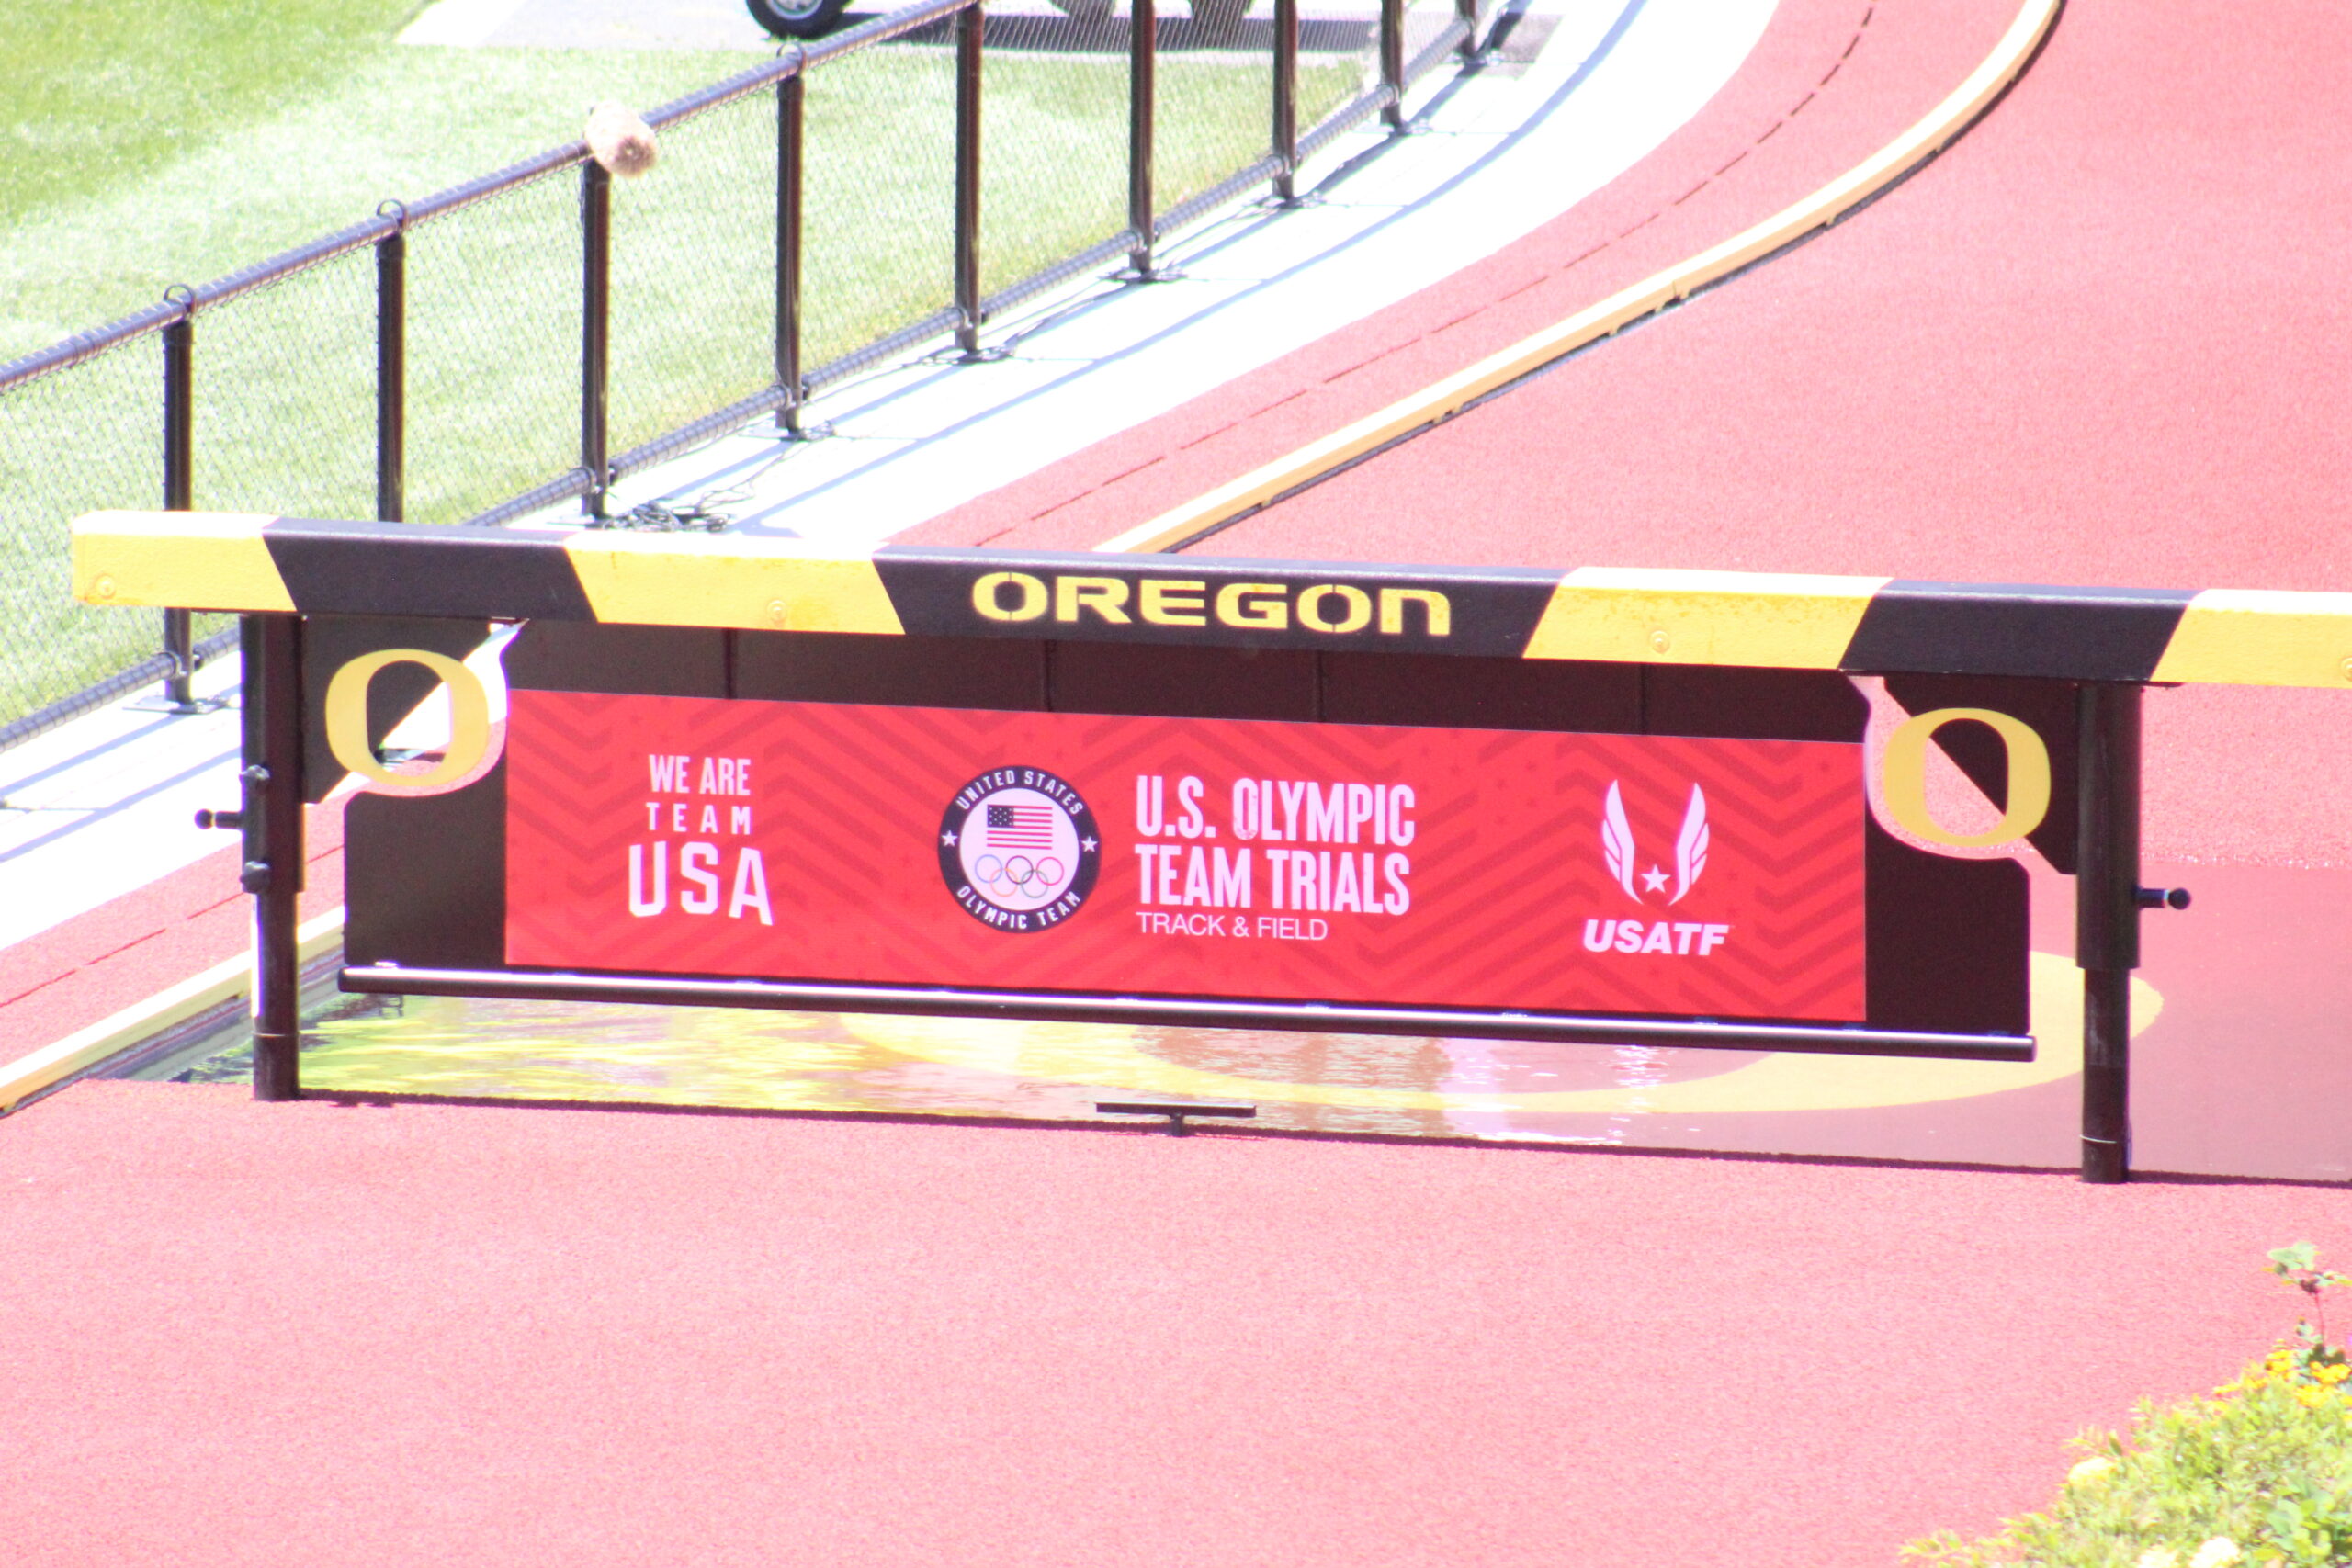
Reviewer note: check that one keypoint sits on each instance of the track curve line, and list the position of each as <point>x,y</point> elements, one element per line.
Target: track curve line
<point>1434,404</point>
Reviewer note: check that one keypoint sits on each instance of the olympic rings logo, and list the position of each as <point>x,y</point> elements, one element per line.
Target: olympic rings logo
<point>1018,875</point>
<point>1019,850</point>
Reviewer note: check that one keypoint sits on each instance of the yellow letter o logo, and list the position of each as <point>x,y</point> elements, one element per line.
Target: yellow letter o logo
<point>1904,777</point>
<point>347,712</point>
<point>1357,611</point>
<point>1032,591</point>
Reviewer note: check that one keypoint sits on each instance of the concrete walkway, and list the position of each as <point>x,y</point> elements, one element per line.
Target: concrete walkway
<point>101,806</point>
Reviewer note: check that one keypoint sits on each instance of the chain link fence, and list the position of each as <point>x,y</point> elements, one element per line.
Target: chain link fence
<point>693,273</point>
<point>520,341</point>
<point>1216,88</point>
<point>491,404</point>
<point>84,435</point>
<point>284,378</point>
<point>1054,143</point>
<point>878,234</point>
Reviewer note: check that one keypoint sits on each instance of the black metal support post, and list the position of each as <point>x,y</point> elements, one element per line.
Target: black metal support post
<point>1177,1111</point>
<point>179,646</point>
<point>1468,11</point>
<point>791,110</point>
<point>1392,60</point>
<point>391,370</point>
<point>272,822</point>
<point>2107,918</point>
<point>1143,95</point>
<point>1286,99</point>
<point>967,180</point>
<point>595,316</point>
<point>179,487</point>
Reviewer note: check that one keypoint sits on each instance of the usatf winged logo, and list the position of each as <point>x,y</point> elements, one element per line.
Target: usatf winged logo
<point>1618,847</point>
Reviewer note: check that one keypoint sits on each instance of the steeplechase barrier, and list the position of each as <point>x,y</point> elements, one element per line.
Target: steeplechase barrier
<point>1597,805</point>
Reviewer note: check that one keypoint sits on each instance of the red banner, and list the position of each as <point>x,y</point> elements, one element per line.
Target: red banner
<point>1191,857</point>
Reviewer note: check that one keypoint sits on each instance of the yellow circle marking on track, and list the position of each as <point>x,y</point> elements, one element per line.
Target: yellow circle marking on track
<point>1111,1057</point>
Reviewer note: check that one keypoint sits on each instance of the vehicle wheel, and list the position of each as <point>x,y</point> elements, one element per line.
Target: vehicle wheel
<point>1219,21</point>
<point>796,18</point>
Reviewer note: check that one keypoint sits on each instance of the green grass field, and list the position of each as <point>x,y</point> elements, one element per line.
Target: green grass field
<point>173,148</point>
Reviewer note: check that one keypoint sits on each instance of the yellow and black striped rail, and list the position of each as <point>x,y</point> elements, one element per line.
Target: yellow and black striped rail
<point>251,562</point>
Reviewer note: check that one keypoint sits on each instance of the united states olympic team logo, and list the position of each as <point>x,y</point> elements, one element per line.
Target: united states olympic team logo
<point>1019,848</point>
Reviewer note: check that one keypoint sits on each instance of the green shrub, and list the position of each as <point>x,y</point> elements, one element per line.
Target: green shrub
<point>2261,1473</point>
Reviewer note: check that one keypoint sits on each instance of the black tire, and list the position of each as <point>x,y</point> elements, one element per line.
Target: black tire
<point>1219,21</point>
<point>796,18</point>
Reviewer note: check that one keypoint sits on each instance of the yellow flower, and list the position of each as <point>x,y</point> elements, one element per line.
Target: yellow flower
<point>2088,1470</point>
<point>2334,1374</point>
<point>2216,1553</point>
<point>2158,1557</point>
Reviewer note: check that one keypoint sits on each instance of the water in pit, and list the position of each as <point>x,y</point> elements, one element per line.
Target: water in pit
<point>1632,1095</point>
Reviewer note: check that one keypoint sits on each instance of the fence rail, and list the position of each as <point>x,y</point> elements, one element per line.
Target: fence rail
<point>438,384</point>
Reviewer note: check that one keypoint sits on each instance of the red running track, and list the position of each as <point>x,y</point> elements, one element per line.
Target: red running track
<point>125,951</point>
<point>313,1335</point>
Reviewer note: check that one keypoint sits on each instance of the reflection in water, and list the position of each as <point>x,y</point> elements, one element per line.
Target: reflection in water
<point>574,1051</point>
<point>570,1051</point>
<point>647,1054</point>
<point>1367,1061</point>
<point>1494,1068</point>
<point>1638,1068</point>
<point>1638,1096</point>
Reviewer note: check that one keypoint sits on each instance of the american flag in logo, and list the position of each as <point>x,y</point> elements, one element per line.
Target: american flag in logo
<point>1021,827</point>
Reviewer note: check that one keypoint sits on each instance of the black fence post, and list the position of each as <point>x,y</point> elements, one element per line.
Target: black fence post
<point>1143,57</point>
<point>271,645</point>
<point>1392,60</point>
<point>2107,917</point>
<point>179,483</point>
<point>791,107</point>
<point>391,366</point>
<point>1467,11</point>
<point>595,309</point>
<point>1286,99</point>
<point>967,180</point>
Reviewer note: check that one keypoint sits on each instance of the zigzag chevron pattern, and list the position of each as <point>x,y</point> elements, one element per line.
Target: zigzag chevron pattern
<point>1495,893</point>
